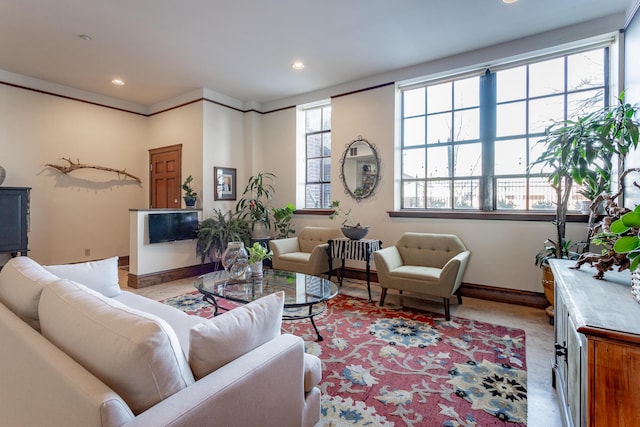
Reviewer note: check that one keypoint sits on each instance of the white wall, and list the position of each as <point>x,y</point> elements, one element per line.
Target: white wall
<point>85,209</point>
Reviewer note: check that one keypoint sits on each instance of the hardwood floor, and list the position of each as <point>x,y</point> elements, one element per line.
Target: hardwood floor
<point>543,410</point>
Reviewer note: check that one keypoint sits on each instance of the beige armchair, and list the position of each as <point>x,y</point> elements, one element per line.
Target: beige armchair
<point>306,253</point>
<point>424,263</point>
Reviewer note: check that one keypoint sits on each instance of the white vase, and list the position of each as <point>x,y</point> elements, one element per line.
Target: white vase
<point>256,268</point>
<point>259,230</point>
<point>635,285</point>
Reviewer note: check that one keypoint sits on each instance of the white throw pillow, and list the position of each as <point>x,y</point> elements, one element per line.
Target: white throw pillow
<point>21,283</point>
<point>101,276</point>
<point>134,353</point>
<point>218,341</point>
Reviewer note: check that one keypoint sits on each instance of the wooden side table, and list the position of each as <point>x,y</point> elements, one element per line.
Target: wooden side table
<point>359,250</point>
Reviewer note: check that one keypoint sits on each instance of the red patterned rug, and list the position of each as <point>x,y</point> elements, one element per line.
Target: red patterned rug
<point>399,367</point>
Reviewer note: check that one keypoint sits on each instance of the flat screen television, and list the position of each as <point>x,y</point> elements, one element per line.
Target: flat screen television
<point>169,227</point>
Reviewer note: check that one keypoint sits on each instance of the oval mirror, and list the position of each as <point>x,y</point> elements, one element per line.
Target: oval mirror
<point>359,169</point>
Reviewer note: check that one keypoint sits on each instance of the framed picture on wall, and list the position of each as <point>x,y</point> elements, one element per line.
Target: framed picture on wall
<point>225,179</point>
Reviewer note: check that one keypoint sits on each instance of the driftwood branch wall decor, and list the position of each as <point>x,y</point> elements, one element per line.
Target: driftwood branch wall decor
<point>77,165</point>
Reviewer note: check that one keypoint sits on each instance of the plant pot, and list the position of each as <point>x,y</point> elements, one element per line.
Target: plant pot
<point>189,201</point>
<point>256,268</point>
<point>259,230</point>
<point>548,284</point>
<point>355,233</point>
<point>635,285</point>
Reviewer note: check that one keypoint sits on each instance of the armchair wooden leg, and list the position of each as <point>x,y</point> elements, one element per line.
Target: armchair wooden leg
<point>446,309</point>
<point>459,298</point>
<point>383,294</point>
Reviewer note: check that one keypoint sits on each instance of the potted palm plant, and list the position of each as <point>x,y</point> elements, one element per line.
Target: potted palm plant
<point>252,206</point>
<point>581,152</point>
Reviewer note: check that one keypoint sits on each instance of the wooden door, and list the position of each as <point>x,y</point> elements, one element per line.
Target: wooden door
<point>165,176</point>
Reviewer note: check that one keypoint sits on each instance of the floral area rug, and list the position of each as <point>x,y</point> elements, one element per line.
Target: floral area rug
<point>399,367</point>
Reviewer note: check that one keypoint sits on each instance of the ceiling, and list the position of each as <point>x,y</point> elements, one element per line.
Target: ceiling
<point>244,48</point>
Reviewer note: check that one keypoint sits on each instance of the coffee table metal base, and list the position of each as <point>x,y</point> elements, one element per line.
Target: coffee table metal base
<point>314,310</point>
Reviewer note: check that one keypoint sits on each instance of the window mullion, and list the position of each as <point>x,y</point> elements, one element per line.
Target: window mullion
<point>488,137</point>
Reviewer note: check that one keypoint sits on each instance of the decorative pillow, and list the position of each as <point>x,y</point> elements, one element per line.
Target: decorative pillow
<point>224,338</point>
<point>135,353</point>
<point>101,276</point>
<point>21,283</point>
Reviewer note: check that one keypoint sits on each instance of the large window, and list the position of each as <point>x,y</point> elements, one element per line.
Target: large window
<point>318,157</point>
<point>468,143</point>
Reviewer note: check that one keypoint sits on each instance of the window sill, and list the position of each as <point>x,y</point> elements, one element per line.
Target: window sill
<point>325,212</point>
<point>494,215</point>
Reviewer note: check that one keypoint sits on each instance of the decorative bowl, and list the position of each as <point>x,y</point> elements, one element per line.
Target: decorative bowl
<point>355,233</point>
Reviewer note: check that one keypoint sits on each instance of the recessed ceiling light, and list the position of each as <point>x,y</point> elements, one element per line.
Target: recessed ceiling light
<point>509,1</point>
<point>297,65</point>
<point>117,82</point>
<point>86,37</point>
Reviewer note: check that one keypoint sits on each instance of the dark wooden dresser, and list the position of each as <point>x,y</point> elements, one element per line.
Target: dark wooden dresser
<point>14,220</point>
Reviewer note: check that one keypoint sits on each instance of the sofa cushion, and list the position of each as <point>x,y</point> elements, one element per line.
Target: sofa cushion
<point>218,341</point>
<point>135,353</point>
<point>21,283</point>
<point>180,322</point>
<point>101,276</point>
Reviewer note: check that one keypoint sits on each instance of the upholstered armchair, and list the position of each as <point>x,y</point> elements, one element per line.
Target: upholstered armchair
<point>306,253</point>
<point>423,263</point>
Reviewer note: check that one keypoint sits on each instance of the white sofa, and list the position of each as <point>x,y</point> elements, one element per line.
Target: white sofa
<point>63,342</point>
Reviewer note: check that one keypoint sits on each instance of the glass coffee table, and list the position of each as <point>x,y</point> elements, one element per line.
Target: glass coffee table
<point>305,296</point>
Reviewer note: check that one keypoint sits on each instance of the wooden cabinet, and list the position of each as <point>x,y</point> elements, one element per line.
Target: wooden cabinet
<point>14,219</point>
<point>597,361</point>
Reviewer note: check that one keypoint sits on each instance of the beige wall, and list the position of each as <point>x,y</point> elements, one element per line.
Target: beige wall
<point>183,126</point>
<point>86,209</point>
<point>224,145</point>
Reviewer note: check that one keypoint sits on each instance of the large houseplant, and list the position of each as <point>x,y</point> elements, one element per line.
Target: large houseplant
<point>252,206</point>
<point>215,232</point>
<point>581,152</point>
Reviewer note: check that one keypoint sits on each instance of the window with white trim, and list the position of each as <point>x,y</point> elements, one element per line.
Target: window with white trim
<point>467,142</point>
<point>317,143</point>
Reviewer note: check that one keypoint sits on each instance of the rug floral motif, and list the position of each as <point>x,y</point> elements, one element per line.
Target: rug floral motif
<point>398,367</point>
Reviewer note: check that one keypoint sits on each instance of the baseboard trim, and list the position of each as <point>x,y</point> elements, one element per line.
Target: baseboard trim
<point>150,279</point>
<point>471,290</point>
<point>506,295</point>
